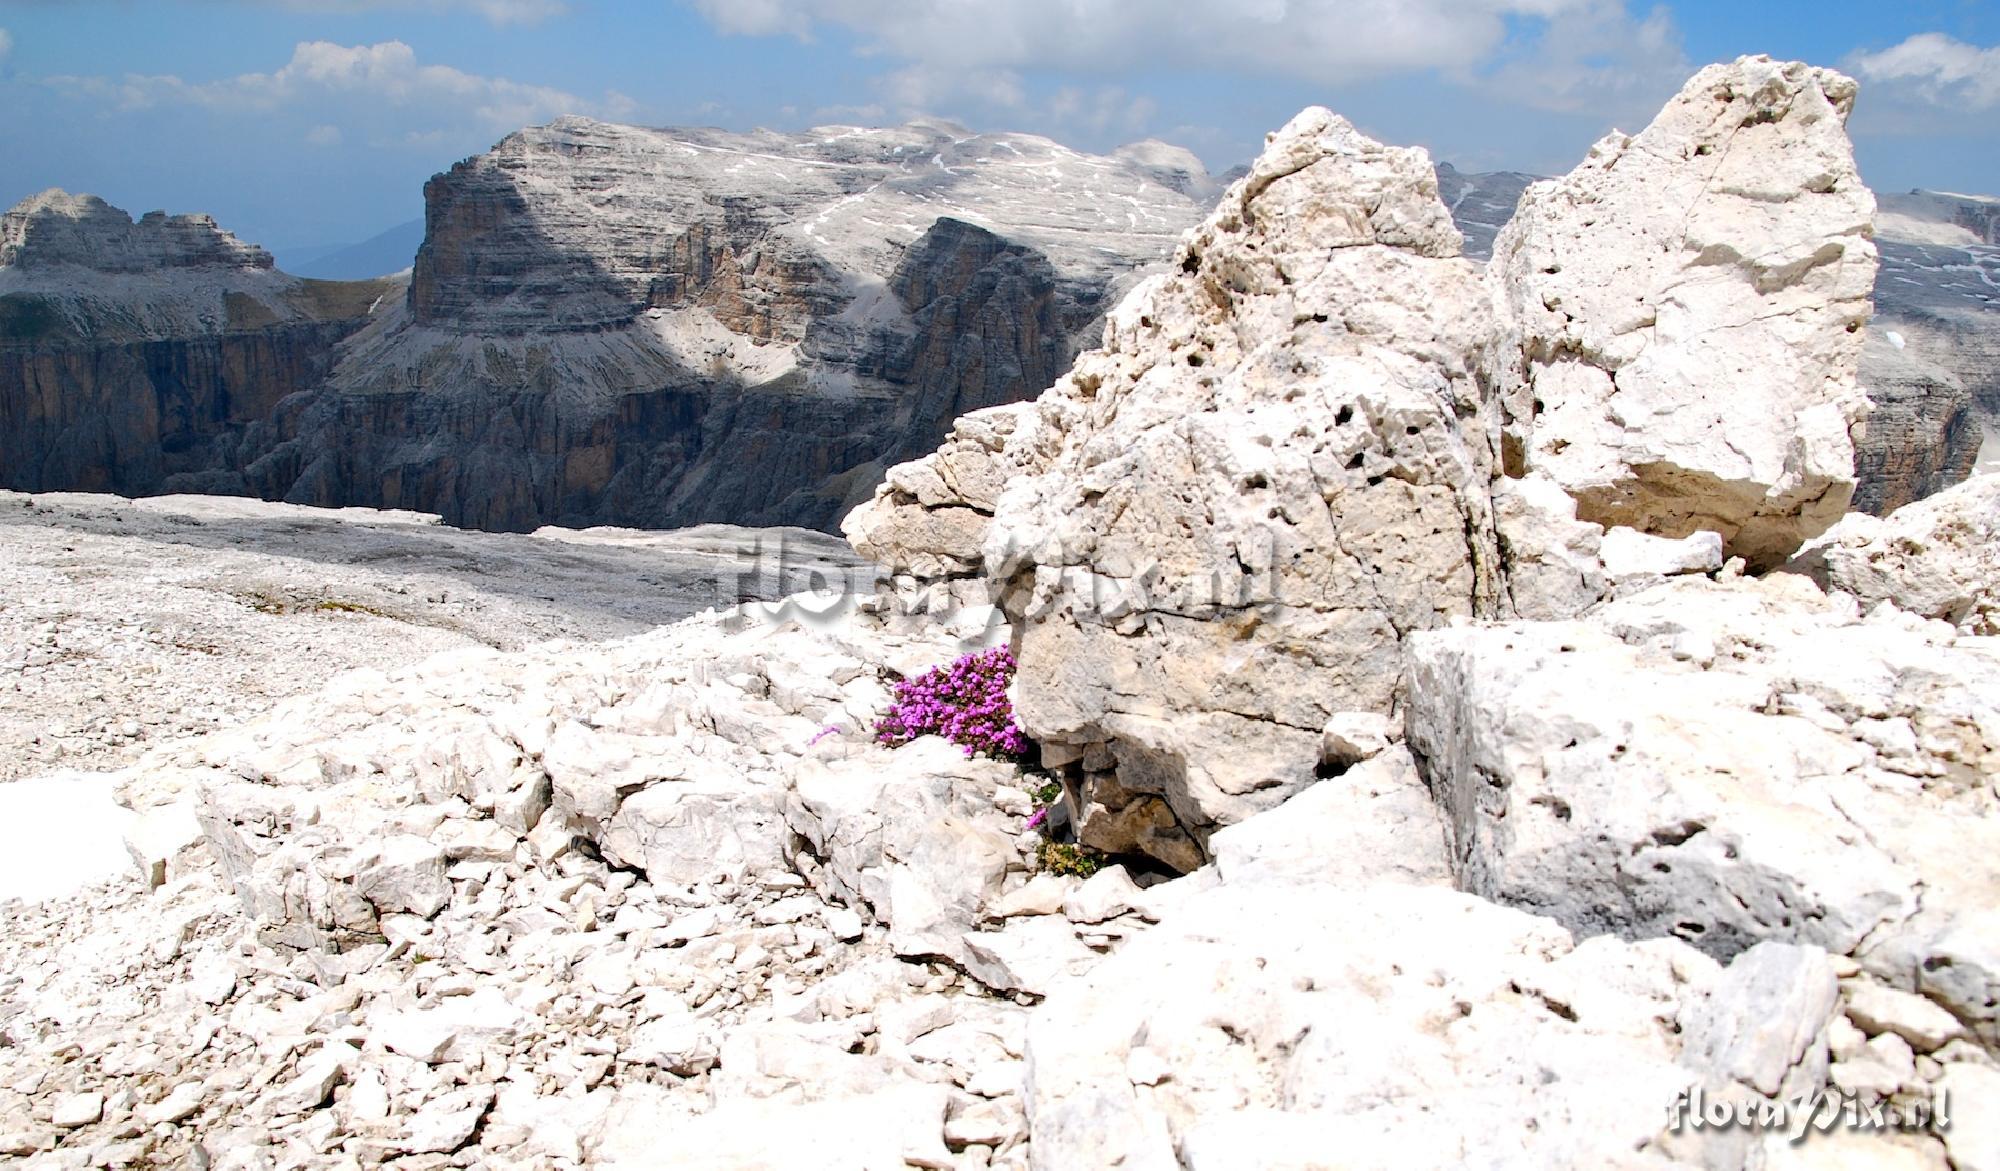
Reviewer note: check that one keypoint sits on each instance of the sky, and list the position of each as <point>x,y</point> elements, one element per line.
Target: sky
<point>299,123</point>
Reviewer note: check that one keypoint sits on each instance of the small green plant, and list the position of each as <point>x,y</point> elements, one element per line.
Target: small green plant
<point>1068,858</point>
<point>1049,794</point>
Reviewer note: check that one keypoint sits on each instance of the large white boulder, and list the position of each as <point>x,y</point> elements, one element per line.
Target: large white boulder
<point>1244,500</point>
<point>1938,557</point>
<point>1685,313</point>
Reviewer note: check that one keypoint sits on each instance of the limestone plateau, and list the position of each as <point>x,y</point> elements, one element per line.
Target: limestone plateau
<point>604,325</point>
<point>1491,737</point>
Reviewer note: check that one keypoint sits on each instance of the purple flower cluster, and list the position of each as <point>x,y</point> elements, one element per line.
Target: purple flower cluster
<point>965,702</point>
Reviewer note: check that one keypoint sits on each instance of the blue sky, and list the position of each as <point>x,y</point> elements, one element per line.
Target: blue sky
<point>297,122</point>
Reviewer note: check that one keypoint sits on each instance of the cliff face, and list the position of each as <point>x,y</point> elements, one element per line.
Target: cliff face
<point>612,325</point>
<point>605,325</point>
<point>134,356</point>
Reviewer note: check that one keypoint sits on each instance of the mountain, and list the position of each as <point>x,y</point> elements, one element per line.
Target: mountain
<point>1932,360</point>
<point>614,325</point>
<point>379,255</point>
<point>134,356</point>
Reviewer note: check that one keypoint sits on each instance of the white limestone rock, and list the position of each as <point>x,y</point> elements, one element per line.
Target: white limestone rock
<point>1807,784</point>
<point>1973,1092</point>
<point>1030,954</point>
<point>1352,737</point>
<point>677,1043</point>
<point>157,835</point>
<point>1938,557</point>
<point>1373,823</point>
<point>1686,307</point>
<point>1878,1009</point>
<point>1242,501</point>
<point>1554,567</point>
<point>1763,1022</point>
<point>1629,553</point>
<point>883,1129</point>
<point>916,835</point>
<point>1401,1026</point>
<point>1106,894</point>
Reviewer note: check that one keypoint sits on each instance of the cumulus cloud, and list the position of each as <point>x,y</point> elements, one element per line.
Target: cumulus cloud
<point>1325,41</point>
<point>324,75</point>
<point>1937,69</point>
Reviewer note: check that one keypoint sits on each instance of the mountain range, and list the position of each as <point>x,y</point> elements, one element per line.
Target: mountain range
<point>606,324</point>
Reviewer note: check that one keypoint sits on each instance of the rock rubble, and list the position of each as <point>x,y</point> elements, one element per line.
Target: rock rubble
<point>1441,825</point>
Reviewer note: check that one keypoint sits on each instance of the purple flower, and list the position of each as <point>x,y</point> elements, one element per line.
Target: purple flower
<point>1035,822</point>
<point>965,702</point>
<point>822,734</point>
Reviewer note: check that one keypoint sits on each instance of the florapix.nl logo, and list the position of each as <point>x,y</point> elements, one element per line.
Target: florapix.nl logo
<point>1804,1114</point>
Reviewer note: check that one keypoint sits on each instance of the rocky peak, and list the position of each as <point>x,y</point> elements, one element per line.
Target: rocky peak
<point>1323,432</point>
<point>581,224</point>
<point>1689,305</point>
<point>1174,167</point>
<point>56,228</point>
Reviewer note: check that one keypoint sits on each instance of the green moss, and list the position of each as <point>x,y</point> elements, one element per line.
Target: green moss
<point>1068,858</point>
<point>336,606</point>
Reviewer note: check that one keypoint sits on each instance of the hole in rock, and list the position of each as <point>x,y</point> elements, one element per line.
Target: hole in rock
<point>1342,416</point>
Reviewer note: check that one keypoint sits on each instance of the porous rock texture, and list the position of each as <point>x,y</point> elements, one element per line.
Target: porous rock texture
<point>1728,763</point>
<point>1688,306</point>
<point>1316,436</point>
<point>1621,732</point>
<point>1236,507</point>
<point>1938,557</point>
<point>1929,364</point>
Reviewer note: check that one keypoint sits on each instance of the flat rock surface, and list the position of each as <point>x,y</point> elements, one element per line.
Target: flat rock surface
<point>125,623</point>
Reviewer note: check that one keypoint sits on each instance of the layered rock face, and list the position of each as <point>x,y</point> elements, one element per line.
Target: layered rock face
<point>605,325</point>
<point>1937,309</point>
<point>134,357</point>
<point>657,328</point>
<point>55,228</point>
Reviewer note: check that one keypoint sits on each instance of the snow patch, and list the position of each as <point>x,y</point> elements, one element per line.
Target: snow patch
<point>60,833</point>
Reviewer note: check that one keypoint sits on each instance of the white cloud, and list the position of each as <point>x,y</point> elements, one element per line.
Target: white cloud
<point>1598,59</point>
<point>323,135</point>
<point>6,43</point>
<point>1324,41</point>
<point>1936,69</point>
<point>322,75</point>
